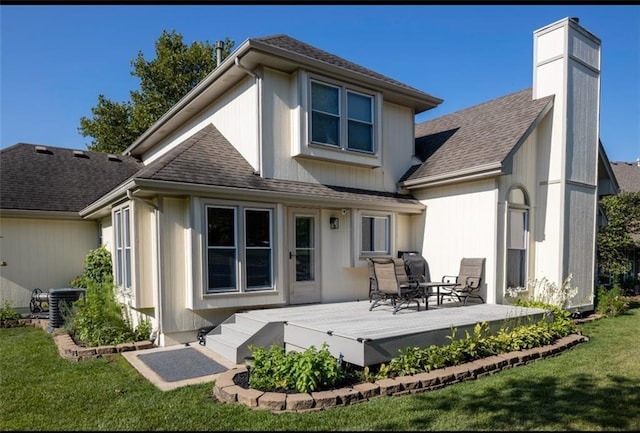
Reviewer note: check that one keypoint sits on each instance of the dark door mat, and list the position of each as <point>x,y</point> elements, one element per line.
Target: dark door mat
<point>181,364</point>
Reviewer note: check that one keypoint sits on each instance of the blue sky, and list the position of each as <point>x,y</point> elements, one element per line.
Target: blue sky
<point>55,60</point>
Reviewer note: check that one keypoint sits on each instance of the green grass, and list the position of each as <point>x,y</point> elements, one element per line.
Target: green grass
<point>594,386</point>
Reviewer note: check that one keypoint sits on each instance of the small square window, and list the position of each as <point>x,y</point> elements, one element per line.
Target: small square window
<point>375,235</point>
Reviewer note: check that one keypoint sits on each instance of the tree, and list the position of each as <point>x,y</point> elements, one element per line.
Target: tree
<point>176,69</point>
<point>615,240</point>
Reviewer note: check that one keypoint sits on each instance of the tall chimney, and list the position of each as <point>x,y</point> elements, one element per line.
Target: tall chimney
<point>566,64</point>
<point>219,47</point>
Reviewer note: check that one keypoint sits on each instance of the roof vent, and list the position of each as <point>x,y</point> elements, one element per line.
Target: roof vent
<point>80,154</point>
<point>638,162</point>
<point>42,149</point>
<point>113,157</point>
<point>575,19</point>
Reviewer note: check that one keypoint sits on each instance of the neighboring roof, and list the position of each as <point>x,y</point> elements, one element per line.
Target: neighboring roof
<point>480,136</point>
<point>198,161</point>
<point>627,175</point>
<point>46,178</point>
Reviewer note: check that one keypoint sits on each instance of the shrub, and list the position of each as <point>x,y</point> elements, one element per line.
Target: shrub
<point>311,370</point>
<point>98,319</point>
<point>611,302</point>
<point>8,313</point>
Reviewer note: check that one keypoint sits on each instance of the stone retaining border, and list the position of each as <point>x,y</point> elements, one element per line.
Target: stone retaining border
<point>68,349</point>
<point>227,391</point>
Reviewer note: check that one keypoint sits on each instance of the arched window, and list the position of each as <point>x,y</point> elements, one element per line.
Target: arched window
<point>517,237</point>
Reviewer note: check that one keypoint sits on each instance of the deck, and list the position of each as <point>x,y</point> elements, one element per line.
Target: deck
<point>364,337</point>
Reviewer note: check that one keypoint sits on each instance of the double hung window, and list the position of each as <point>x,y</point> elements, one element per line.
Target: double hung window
<point>342,117</point>
<point>239,249</point>
<point>122,229</point>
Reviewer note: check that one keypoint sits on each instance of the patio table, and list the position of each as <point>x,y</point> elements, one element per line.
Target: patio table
<point>426,287</point>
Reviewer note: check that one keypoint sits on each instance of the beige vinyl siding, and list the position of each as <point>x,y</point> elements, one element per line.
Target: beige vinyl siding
<point>41,253</point>
<point>235,114</point>
<point>579,242</point>
<point>582,142</point>
<point>461,221</point>
<point>143,231</point>
<point>282,130</point>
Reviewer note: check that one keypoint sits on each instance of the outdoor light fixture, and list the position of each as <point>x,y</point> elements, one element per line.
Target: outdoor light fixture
<point>334,222</point>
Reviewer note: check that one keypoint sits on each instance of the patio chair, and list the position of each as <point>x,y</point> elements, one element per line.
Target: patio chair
<point>467,282</point>
<point>389,283</point>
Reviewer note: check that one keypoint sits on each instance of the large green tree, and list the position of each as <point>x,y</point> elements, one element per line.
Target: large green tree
<point>176,69</point>
<point>616,240</point>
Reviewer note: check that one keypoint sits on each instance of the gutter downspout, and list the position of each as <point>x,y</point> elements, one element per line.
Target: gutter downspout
<point>258,81</point>
<point>156,213</point>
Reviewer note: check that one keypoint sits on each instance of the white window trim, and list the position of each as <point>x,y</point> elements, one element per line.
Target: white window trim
<point>359,255</point>
<point>240,245</point>
<point>301,127</point>
<point>125,269</point>
<point>343,115</point>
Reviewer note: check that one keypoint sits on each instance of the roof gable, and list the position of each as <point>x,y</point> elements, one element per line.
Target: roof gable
<point>477,136</point>
<point>45,178</point>
<point>295,46</point>
<point>207,158</point>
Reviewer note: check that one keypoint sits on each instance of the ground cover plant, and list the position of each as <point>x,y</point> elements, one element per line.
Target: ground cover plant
<point>593,386</point>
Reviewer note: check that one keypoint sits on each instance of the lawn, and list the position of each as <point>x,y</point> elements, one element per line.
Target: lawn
<point>594,386</point>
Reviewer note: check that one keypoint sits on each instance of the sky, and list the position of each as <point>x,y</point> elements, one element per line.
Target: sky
<point>56,59</point>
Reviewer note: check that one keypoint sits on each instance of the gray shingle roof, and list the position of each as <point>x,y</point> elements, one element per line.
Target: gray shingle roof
<point>476,136</point>
<point>293,45</point>
<point>207,158</point>
<point>56,180</point>
<point>628,175</point>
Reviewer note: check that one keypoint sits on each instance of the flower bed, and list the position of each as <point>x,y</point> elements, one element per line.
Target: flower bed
<point>232,386</point>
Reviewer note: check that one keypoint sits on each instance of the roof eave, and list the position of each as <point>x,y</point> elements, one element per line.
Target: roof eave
<point>40,214</point>
<point>169,187</point>
<point>464,175</point>
<point>96,209</point>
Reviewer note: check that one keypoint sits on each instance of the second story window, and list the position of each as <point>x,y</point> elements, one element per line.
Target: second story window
<point>341,117</point>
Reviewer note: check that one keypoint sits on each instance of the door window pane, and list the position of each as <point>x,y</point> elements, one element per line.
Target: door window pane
<point>305,248</point>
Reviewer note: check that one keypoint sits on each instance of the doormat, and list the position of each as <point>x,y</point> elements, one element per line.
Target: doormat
<point>181,364</point>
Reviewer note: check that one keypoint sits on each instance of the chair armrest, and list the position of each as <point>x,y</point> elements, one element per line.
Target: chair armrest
<point>473,282</point>
<point>449,278</point>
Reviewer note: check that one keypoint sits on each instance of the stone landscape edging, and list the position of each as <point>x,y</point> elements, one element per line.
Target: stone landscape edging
<point>68,349</point>
<point>227,390</point>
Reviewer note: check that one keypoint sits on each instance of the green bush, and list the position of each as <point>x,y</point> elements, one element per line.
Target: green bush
<point>478,344</point>
<point>311,370</point>
<point>611,302</point>
<point>98,318</point>
<point>8,313</point>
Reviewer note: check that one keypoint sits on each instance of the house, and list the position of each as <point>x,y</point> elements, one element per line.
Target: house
<point>272,181</point>
<point>627,175</point>
<point>43,239</point>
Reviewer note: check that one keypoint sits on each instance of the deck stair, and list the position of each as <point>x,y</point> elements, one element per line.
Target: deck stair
<point>232,338</point>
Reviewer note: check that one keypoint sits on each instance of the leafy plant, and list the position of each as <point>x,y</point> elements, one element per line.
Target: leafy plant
<point>311,370</point>
<point>611,302</point>
<point>98,318</point>
<point>8,313</point>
